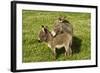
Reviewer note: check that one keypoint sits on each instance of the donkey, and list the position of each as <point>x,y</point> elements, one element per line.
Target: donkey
<point>62,25</point>
<point>59,41</point>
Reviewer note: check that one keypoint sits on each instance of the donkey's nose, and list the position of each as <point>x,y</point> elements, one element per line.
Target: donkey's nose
<point>39,40</point>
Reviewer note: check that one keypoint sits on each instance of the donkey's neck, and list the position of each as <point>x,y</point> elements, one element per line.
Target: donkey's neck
<point>50,37</point>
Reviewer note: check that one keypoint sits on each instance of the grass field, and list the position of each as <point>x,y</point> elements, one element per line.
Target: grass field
<point>33,51</point>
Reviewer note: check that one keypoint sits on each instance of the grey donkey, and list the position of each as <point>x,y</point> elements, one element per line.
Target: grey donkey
<point>59,41</point>
<point>62,25</point>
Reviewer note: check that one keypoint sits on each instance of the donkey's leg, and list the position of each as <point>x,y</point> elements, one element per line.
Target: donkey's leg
<point>70,50</point>
<point>54,52</point>
<point>66,49</point>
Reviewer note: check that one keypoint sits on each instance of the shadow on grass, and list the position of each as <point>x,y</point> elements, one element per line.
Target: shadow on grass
<point>76,44</point>
<point>76,47</point>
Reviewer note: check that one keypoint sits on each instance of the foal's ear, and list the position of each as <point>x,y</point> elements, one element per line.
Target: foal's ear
<point>46,27</point>
<point>62,17</point>
<point>42,28</point>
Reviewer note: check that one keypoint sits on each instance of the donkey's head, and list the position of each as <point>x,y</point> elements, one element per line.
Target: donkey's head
<point>43,34</point>
<point>62,19</point>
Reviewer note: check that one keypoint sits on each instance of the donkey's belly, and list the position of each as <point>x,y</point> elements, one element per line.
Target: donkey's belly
<point>59,46</point>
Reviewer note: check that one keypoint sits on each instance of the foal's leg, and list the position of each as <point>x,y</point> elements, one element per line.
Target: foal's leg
<point>70,50</point>
<point>54,52</point>
<point>66,49</point>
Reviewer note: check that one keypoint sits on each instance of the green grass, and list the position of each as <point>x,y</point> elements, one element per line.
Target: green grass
<point>33,51</point>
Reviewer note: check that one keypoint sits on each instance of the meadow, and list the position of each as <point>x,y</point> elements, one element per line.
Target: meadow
<point>33,51</point>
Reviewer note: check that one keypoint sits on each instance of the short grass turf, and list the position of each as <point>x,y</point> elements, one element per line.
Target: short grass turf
<point>33,51</point>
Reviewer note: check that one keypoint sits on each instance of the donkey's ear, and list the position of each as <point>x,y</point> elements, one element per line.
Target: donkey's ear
<point>46,27</point>
<point>42,26</point>
<point>64,17</point>
<point>59,18</point>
